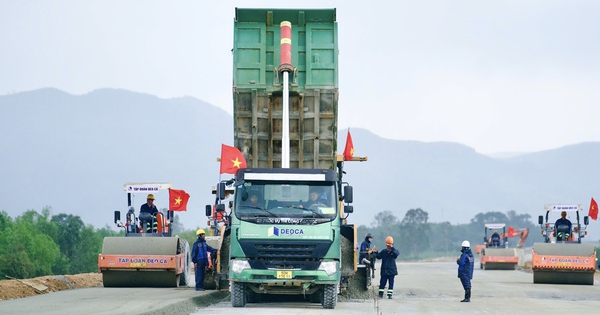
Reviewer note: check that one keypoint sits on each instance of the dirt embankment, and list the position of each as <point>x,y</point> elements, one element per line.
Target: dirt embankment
<point>20,288</point>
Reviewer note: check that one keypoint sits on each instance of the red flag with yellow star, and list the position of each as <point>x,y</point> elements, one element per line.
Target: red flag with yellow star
<point>349,149</point>
<point>231,160</point>
<point>178,199</point>
<point>593,213</point>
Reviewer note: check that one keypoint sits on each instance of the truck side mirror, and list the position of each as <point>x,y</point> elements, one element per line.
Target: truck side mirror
<point>221,191</point>
<point>586,220</point>
<point>208,210</point>
<point>348,198</point>
<point>348,209</point>
<point>118,216</point>
<point>220,207</point>
<point>541,220</point>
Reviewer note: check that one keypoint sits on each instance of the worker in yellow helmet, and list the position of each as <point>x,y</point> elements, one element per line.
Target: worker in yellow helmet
<point>388,267</point>
<point>149,207</point>
<point>200,258</point>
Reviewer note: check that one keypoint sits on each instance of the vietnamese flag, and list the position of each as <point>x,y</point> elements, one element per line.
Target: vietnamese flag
<point>593,213</point>
<point>510,232</point>
<point>178,199</point>
<point>349,149</point>
<point>231,160</point>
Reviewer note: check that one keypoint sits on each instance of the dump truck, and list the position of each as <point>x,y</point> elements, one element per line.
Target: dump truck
<point>140,258</point>
<point>567,260</point>
<point>285,105</point>
<point>497,256</point>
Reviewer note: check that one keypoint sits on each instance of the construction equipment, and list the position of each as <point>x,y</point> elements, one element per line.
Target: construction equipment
<point>565,261</point>
<point>497,255</point>
<point>285,122</point>
<point>142,259</point>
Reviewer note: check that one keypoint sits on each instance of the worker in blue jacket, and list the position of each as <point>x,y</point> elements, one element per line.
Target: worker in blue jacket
<point>200,258</point>
<point>388,267</point>
<point>366,251</point>
<point>466,264</point>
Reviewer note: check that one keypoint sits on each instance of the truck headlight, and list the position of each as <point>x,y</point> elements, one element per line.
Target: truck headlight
<point>239,265</point>
<point>330,267</point>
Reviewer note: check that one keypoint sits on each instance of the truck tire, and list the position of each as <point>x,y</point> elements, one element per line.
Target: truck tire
<point>329,296</point>
<point>238,294</point>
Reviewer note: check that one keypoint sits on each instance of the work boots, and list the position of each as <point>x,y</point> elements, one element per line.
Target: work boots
<point>467,296</point>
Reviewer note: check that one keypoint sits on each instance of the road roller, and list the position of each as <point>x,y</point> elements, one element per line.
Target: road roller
<point>495,254</point>
<point>563,258</point>
<point>148,255</point>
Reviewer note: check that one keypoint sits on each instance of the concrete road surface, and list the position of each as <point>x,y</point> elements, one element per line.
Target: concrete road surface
<point>421,288</point>
<point>433,288</point>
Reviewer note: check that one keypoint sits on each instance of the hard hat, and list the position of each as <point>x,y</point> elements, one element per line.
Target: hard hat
<point>564,212</point>
<point>466,244</point>
<point>495,231</point>
<point>369,235</point>
<point>200,231</point>
<point>389,240</point>
<point>150,196</point>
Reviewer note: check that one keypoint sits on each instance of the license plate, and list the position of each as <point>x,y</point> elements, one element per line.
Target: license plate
<point>287,274</point>
<point>137,265</point>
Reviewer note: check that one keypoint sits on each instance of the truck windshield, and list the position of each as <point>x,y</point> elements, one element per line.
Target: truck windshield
<point>285,200</point>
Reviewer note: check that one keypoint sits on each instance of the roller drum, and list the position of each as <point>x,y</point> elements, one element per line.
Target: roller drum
<point>144,277</point>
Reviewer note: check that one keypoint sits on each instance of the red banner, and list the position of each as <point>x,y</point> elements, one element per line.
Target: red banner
<point>510,232</point>
<point>593,213</point>
<point>349,149</point>
<point>231,160</point>
<point>178,200</point>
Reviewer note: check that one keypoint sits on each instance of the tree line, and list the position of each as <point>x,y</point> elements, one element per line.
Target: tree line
<point>35,244</point>
<point>416,238</point>
<point>38,244</point>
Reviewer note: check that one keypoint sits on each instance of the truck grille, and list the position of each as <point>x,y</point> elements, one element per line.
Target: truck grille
<point>298,255</point>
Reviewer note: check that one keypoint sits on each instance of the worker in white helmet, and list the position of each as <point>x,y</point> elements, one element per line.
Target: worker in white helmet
<point>200,258</point>
<point>466,264</point>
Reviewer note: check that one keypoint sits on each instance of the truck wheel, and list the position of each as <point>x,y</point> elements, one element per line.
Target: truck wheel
<point>329,296</point>
<point>238,294</point>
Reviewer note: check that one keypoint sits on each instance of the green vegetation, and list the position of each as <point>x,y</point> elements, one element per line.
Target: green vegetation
<point>417,239</point>
<point>34,244</point>
<point>37,244</point>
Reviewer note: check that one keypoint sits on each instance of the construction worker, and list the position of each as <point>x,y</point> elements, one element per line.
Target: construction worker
<point>466,264</point>
<point>365,253</point>
<point>200,258</point>
<point>149,207</point>
<point>496,239</point>
<point>562,227</point>
<point>388,267</point>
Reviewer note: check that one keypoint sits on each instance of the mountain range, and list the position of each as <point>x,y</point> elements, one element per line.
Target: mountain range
<point>74,153</point>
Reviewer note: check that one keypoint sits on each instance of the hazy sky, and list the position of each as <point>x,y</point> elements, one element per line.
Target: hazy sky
<point>499,76</point>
